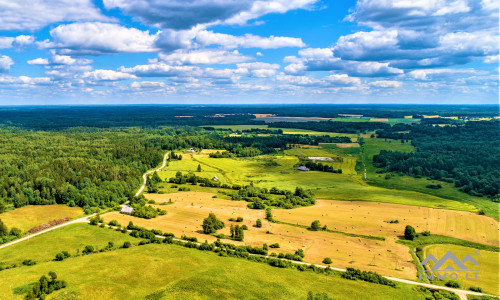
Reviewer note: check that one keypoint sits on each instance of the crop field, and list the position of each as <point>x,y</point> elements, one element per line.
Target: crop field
<point>188,210</point>
<point>488,266</point>
<point>30,216</point>
<point>372,218</point>
<point>183,273</point>
<point>69,238</point>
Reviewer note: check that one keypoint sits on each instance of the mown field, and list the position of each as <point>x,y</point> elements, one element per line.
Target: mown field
<point>30,216</point>
<point>372,218</point>
<point>185,216</point>
<point>72,238</point>
<point>169,271</point>
<point>488,267</point>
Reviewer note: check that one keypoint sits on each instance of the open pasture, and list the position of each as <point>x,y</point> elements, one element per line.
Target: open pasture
<point>27,217</point>
<point>186,215</point>
<point>372,218</point>
<point>278,171</point>
<point>68,238</point>
<point>488,267</point>
<point>175,272</point>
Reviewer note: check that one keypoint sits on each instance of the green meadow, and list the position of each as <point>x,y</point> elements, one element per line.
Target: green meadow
<point>72,238</point>
<point>169,271</point>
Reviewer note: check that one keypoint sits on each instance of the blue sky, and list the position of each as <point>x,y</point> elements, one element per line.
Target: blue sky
<point>243,51</point>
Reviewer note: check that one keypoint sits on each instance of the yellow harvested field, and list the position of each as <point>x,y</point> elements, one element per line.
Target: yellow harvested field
<point>186,215</point>
<point>379,120</point>
<point>370,218</point>
<point>347,145</point>
<point>30,216</point>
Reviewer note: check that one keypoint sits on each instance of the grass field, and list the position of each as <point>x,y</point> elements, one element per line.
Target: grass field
<point>181,273</point>
<point>69,238</point>
<point>30,216</point>
<point>488,267</point>
<point>186,215</point>
<point>278,171</point>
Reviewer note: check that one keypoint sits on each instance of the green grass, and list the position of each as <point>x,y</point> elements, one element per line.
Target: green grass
<point>69,238</point>
<point>488,266</point>
<point>177,272</point>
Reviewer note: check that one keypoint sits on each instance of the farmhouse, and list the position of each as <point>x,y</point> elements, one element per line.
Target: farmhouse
<point>126,210</point>
<point>191,150</point>
<point>303,168</point>
<point>215,178</point>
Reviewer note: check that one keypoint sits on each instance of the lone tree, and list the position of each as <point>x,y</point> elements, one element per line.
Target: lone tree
<point>258,223</point>
<point>211,224</point>
<point>327,260</point>
<point>315,225</point>
<point>199,168</point>
<point>410,233</point>
<point>269,214</point>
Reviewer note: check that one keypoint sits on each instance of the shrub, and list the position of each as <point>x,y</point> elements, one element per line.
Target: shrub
<point>88,249</point>
<point>126,244</point>
<point>258,223</point>
<point>244,227</point>
<point>114,223</point>
<point>239,219</point>
<point>327,260</point>
<point>275,245</point>
<point>453,284</point>
<point>94,221</point>
<point>426,233</point>
<point>16,232</point>
<point>29,262</point>
<point>476,289</point>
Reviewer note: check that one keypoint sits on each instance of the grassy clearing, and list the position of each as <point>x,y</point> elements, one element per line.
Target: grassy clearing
<point>30,216</point>
<point>188,210</point>
<point>488,267</point>
<point>181,273</point>
<point>69,238</point>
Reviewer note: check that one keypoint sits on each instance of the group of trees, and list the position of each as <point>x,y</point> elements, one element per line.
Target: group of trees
<point>321,167</point>
<point>355,274</point>
<point>467,155</point>
<point>211,224</point>
<point>260,198</point>
<point>237,232</point>
<point>147,212</point>
<point>45,286</point>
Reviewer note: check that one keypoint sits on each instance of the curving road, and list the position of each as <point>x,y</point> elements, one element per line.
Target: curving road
<point>145,175</point>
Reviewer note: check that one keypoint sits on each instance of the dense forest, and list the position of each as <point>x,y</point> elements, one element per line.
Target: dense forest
<point>153,116</point>
<point>80,168</point>
<point>467,155</point>
<point>329,126</point>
